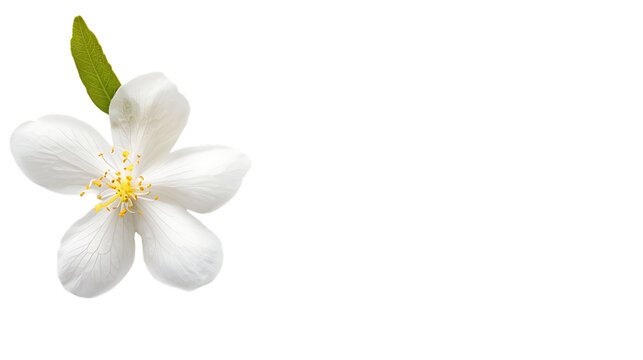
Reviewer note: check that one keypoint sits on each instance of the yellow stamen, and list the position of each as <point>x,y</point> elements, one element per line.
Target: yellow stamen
<point>124,191</point>
<point>106,203</point>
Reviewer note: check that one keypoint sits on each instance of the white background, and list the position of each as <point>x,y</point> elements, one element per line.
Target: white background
<point>431,180</point>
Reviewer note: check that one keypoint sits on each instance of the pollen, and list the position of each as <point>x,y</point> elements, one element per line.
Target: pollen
<point>129,168</point>
<point>125,153</point>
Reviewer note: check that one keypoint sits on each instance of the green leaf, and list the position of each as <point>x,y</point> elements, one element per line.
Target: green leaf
<point>94,70</point>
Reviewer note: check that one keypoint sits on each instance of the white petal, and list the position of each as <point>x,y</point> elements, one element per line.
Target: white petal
<point>59,152</point>
<point>178,249</point>
<point>199,178</point>
<point>96,253</point>
<point>147,116</point>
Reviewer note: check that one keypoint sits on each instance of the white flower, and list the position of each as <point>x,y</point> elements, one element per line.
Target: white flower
<point>142,187</point>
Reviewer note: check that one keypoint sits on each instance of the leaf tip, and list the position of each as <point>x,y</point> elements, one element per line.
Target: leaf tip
<point>78,19</point>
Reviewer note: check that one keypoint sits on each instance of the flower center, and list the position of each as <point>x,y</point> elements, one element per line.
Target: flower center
<point>121,190</point>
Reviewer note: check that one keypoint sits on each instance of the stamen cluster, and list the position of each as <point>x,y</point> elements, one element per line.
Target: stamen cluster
<point>121,186</point>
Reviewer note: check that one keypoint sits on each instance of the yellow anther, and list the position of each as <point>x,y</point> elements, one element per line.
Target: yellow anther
<point>101,154</point>
<point>125,154</point>
<point>122,213</point>
<point>129,168</point>
<point>97,183</point>
<point>142,188</point>
<point>128,178</point>
<point>112,149</point>
<point>140,213</point>
<point>117,173</point>
<point>82,193</point>
<point>124,160</point>
<point>156,198</point>
<point>98,197</point>
<point>108,209</point>
<point>138,155</point>
<point>149,186</point>
<point>142,178</point>
<point>86,187</point>
<point>138,162</point>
